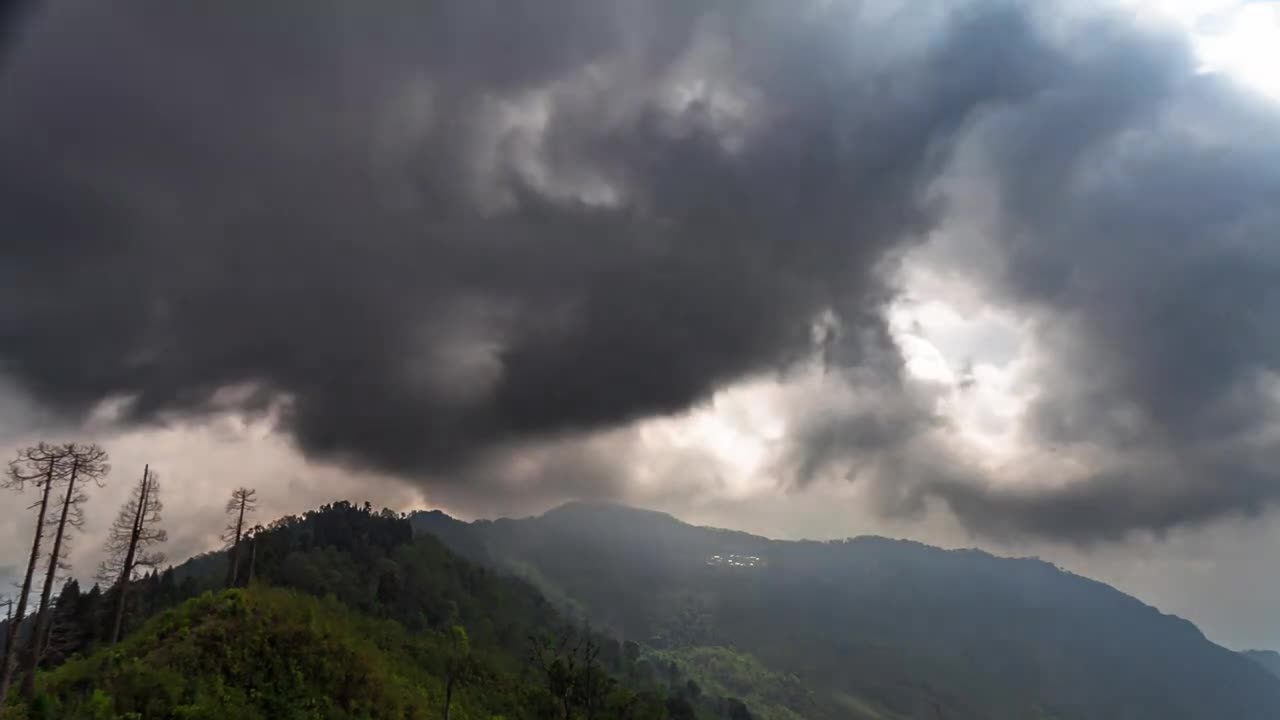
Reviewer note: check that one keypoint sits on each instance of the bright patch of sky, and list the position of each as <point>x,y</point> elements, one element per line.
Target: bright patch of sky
<point>950,334</point>
<point>1238,37</point>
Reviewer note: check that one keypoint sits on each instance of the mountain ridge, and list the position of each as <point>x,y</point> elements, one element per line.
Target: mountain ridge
<point>1269,659</point>
<point>979,635</point>
<point>617,509</point>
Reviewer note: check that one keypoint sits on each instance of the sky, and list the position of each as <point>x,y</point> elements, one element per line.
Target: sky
<point>994,273</point>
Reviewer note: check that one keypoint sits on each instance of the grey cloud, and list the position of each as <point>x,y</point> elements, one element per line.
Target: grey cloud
<point>1134,227</point>
<point>437,237</point>
<point>1139,232</point>
<point>12,15</point>
<point>435,229</point>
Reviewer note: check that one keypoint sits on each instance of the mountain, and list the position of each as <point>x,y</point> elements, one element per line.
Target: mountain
<point>602,612</point>
<point>344,613</point>
<point>250,654</point>
<point>1269,659</point>
<point>870,627</point>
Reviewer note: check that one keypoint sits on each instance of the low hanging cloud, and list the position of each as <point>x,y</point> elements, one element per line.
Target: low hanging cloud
<point>429,237</point>
<point>566,217</point>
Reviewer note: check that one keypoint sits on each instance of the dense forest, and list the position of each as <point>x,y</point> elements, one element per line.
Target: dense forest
<point>342,612</point>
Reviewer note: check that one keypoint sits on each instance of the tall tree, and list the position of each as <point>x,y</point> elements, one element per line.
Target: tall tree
<point>62,638</point>
<point>134,531</point>
<point>252,534</point>
<point>243,502</point>
<point>81,464</point>
<point>8,620</point>
<point>574,679</point>
<point>459,665</point>
<point>39,466</point>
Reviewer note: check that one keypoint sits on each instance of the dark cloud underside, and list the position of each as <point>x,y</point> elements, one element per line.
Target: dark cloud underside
<point>434,230</point>
<point>439,226</point>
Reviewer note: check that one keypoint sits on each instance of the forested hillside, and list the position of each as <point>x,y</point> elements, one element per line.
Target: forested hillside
<point>266,654</point>
<point>343,613</point>
<point>346,612</point>
<point>872,628</point>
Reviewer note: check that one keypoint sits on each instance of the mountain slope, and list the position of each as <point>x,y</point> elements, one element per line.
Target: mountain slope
<point>876,627</point>
<point>257,654</point>
<point>1269,659</point>
<point>348,615</point>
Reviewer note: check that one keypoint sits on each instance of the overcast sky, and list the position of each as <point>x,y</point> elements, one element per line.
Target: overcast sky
<point>986,272</point>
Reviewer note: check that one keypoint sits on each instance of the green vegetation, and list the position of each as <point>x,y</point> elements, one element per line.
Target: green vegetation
<point>346,614</point>
<point>281,655</point>
<point>256,653</point>
<point>723,671</point>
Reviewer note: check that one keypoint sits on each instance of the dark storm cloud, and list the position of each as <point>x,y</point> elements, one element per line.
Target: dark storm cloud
<point>439,233</point>
<point>12,15</point>
<point>434,228</point>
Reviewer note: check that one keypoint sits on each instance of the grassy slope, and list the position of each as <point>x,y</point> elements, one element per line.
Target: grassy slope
<point>268,654</point>
<point>725,672</point>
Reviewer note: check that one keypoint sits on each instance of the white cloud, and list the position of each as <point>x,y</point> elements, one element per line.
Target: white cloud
<point>1240,38</point>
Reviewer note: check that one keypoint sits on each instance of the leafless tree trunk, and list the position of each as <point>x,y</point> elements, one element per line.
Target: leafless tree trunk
<point>8,622</point>
<point>253,552</point>
<point>126,570</point>
<point>86,463</point>
<point>37,465</point>
<point>243,501</point>
<point>133,531</point>
<point>448,697</point>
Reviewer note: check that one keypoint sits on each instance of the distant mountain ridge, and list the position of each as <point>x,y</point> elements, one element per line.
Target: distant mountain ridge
<point>1269,659</point>
<point>877,628</point>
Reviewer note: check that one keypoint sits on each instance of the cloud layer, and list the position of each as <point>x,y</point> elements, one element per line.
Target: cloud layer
<point>448,238</point>
<point>429,246</point>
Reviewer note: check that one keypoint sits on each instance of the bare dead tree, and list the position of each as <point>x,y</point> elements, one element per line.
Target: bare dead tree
<point>133,532</point>
<point>243,501</point>
<point>38,466</point>
<point>252,535</point>
<point>8,621</point>
<point>80,465</point>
